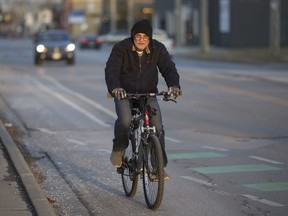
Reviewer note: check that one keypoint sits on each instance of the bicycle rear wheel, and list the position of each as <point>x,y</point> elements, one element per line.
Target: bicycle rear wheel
<point>128,175</point>
<point>153,173</point>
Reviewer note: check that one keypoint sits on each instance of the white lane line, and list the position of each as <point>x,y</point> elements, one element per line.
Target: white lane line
<point>263,201</point>
<point>202,182</point>
<point>173,140</point>
<point>97,105</point>
<point>265,160</point>
<point>94,104</point>
<point>87,100</point>
<point>76,142</point>
<point>217,149</point>
<point>70,103</point>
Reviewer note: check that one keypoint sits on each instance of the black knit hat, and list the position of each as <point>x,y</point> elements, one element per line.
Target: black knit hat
<point>142,26</point>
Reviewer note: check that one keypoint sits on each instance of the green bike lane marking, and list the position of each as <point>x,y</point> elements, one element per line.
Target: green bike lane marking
<point>267,187</point>
<point>234,168</point>
<point>182,156</point>
<point>264,187</point>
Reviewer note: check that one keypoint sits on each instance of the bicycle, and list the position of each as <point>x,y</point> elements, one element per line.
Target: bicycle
<point>144,155</point>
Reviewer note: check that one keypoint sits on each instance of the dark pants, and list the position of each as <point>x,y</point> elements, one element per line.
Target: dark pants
<point>123,111</point>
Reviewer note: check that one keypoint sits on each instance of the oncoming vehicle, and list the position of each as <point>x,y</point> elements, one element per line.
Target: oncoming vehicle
<point>115,37</point>
<point>92,41</point>
<point>54,45</point>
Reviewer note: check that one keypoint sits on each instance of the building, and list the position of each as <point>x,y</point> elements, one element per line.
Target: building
<point>232,23</point>
<point>244,23</point>
<point>176,17</point>
<point>30,16</point>
<point>121,14</point>
<point>83,16</point>
<point>102,16</point>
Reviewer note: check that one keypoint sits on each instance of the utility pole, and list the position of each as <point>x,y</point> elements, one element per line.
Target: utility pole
<point>275,27</point>
<point>204,28</point>
<point>178,6</point>
<point>130,18</point>
<point>113,15</point>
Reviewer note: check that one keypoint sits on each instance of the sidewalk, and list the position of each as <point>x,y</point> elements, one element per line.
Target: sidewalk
<point>20,195</point>
<point>240,55</point>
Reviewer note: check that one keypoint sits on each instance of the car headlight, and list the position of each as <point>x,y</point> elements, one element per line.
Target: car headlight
<point>70,47</point>
<point>40,48</point>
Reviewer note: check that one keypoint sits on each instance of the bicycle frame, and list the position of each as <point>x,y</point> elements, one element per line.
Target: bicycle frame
<point>142,120</point>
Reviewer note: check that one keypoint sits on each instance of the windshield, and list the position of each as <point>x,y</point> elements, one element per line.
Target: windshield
<point>53,37</point>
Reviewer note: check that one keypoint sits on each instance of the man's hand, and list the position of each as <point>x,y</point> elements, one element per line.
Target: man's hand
<point>174,92</point>
<point>119,93</point>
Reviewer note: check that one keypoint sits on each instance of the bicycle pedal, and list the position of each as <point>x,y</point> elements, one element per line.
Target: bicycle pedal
<point>120,170</point>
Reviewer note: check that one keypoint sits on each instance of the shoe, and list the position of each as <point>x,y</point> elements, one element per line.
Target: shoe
<point>154,178</point>
<point>116,158</point>
<point>166,176</point>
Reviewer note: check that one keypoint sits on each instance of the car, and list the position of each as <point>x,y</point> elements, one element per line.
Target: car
<point>54,45</point>
<point>114,37</point>
<point>162,36</point>
<point>93,41</point>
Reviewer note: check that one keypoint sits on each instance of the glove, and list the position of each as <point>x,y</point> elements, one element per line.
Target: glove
<point>119,93</point>
<point>174,92</point>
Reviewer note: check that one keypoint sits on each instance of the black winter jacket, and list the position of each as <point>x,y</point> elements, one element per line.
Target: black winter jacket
<point>135,74</point>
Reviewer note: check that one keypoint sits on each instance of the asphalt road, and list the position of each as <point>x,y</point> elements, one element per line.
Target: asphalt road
<point>226,137</point>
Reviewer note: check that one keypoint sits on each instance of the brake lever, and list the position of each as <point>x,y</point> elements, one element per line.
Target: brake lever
<point>168,98</point>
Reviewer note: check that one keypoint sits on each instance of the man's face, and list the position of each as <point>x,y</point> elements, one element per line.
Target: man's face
<point>141,41</point>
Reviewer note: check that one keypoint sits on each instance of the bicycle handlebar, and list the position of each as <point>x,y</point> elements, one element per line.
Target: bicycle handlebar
<point>165,95</point>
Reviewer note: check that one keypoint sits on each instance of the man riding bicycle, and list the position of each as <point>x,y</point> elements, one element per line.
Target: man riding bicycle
<point>133,67</point>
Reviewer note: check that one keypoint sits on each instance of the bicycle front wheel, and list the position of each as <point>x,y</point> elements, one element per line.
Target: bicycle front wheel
<point>153,172</point>
<point>129,175</point>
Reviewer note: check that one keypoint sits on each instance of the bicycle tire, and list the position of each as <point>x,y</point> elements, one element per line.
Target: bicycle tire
<point>153,165</point>
<point>129,176</point>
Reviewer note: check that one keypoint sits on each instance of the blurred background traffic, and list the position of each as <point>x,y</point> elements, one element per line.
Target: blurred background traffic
<point>180,23</point>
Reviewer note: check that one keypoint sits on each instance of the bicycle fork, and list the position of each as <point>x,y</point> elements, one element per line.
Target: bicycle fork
<point>146,127</point>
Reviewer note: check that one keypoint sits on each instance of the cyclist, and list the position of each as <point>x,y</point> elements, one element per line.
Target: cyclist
<point>133,67</point>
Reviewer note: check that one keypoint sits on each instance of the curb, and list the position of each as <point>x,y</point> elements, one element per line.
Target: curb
<point>39,201</point>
